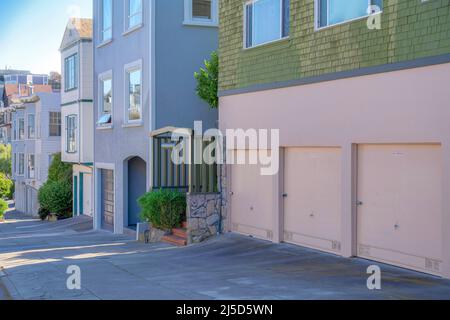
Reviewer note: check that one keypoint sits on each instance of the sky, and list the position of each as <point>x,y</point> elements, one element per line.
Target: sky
<point>31,32</point>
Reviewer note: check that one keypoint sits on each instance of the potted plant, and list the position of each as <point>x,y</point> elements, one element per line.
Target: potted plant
<point>3,209</point>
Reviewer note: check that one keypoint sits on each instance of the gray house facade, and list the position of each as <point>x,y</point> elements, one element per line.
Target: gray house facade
<point>36,137</point>
<point>145,56</point>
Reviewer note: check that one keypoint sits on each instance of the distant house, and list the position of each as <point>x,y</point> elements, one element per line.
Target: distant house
<point>36,137</point>
<point>15,85</point>
<point>77,143</point>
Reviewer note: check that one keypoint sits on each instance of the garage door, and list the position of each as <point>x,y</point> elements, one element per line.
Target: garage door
<point>251,203</point>
<point>400,212</point>
<point>107,199</point>
<point>312,205</point>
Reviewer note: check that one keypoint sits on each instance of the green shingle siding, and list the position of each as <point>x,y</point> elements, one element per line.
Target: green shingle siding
<point>409,30</point>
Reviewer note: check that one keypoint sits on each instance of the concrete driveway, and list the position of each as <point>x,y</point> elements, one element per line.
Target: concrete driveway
<point>35,257</point>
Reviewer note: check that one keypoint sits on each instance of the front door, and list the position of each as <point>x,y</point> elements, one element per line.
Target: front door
<point>107,199</point>
<point>137,186</point>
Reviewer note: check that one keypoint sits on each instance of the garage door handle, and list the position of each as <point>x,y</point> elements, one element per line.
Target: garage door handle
<point>285,195</point>
<point>359,203</point>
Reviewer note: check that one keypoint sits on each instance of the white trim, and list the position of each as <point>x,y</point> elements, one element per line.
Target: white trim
<point>18,164</point>
<point>107,75</point>
<point>317,26</point>
<point>127,69</point>
<point>189,20</point>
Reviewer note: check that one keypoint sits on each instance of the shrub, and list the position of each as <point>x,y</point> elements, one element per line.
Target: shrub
<point>3,207</point>
<point>208,81</point>
<point>164,209</point>
<point>59,171</point>
<point>56,197</point>
<point>6,187</point>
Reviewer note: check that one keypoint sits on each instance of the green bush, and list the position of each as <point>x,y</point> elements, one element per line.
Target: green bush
<point>3,207</point>
<point>56,197</point>
<point>164,209</point>
<point>6,187</point>
<point>59,171</point>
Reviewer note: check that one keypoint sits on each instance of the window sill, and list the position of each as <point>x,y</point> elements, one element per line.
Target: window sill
<point>110,127</point>
<point>267,44</point>
<point>104,43</point>
<point>194,23</point>
<point>346,21</point>
<point>132,29</point>
<point>133,125</point>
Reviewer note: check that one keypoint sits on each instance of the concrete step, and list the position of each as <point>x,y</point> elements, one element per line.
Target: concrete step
<point>184,225</point>
<point>174,240</point>
<point>181,233</point>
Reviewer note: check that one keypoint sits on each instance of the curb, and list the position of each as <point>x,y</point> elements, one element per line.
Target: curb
<point>8,287</point>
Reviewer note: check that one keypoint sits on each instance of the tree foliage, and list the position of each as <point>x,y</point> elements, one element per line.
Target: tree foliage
<point>6,187</point>
<point>59,171</point>
<point>5,160</point>
<point>208,81</point>
<point>3,207</point>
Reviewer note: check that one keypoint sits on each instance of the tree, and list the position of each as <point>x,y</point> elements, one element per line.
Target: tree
<point>208,81</point>
<point>6,187</point>
<point>59,171</point>
<point>5,160</point>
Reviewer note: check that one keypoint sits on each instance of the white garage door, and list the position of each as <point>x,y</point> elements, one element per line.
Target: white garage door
<point>251,203</point>
<point>312,205</point>
<point>400,212</point>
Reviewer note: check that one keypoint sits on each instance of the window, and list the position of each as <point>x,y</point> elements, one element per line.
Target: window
<point>14,163</point>
<point>134,13</point>
<point>133,83</point>
<point>31,126</point>
<point>332,12</point>
<point>201,12</point>
<point>266,21</point>
<point>31,166</point>
<point>71,73</point>
<point>14,130</point>
<point>21,164</point>
<point>106,99</point>
<point>107,11</point>
<point>55,124</point>
<point>21,129</point>
<point>71,127</point>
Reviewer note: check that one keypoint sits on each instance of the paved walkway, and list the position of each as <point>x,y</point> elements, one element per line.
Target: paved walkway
<point>35,256</point>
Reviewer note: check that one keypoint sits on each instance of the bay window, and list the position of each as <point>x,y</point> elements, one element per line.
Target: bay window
<point>331,12</point>
<point>266,21</point>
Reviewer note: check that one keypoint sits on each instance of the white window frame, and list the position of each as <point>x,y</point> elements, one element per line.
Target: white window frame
<point>34,166</point>
<point>127,28</point>
<point>75,133</point>
<point>128,68</point>
<point>190,20</point>
<point>14,163</point>
<point>281,38</point>
<point>102,40</point>
<point>50,124</point>
<point>19,137</point>
<point>67,72</point>
<point>108,75</point>
<point>19,173</point>
<point>317,26</point>
<point>28,126</point>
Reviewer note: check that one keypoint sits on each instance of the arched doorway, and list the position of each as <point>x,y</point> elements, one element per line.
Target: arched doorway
<point>137,186</point>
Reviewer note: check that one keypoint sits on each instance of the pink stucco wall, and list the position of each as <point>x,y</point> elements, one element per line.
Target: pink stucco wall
<point>401,107</point>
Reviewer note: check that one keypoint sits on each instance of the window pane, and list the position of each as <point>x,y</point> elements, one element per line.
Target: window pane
<point>107,19</point>
<point>266,23</point>
<point>201,9</point>
<point>323,13</point>
<point>134,95</point>
<point>107,96</point>
<point>31,126</point>
<point>21,129</point>
<point>342,10</point>
<point>286,17</point>
<point>55,124</point>
<point>135,15</point>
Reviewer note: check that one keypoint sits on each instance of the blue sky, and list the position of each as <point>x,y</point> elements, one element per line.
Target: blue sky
<point>31,31</point>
